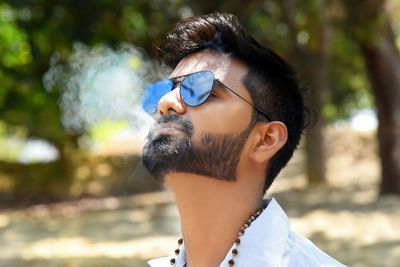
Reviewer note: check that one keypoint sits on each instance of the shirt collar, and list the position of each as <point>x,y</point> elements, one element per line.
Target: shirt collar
<point>262,244</point>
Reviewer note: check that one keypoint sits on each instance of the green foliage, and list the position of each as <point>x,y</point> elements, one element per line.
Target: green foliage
<point>14,49</point>
<point>14,46</point>
<point>349,87</point>
<point>105,130</point>
<point>135,22</point>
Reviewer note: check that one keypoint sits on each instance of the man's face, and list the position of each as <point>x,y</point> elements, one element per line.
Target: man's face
<point>207,139</point>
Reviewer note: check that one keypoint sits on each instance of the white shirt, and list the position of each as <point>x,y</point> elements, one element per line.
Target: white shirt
<point>268,242</point>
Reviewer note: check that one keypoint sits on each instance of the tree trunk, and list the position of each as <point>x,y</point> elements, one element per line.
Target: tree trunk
<point>315,147</point>
<point>383,66</point>
<point>312,63</point>
<point>370,27</point>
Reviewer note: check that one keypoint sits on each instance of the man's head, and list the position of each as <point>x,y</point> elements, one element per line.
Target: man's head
<point>259,76</point>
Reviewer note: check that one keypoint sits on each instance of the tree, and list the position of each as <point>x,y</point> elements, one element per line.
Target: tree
<point>371,30</point>
<point>309,46</point>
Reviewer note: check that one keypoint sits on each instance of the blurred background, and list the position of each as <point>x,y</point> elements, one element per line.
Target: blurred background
<point>72,190</point>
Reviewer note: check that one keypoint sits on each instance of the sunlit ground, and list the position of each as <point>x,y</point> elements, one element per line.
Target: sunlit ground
<point>346,219</point>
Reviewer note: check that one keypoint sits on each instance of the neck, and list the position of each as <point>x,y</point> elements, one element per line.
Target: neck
<point>212,212</point>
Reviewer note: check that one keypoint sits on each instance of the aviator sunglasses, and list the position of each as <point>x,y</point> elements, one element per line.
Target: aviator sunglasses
<point>194,90</point>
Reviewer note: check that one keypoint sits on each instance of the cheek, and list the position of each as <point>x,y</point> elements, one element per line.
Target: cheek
<point>220,119</point>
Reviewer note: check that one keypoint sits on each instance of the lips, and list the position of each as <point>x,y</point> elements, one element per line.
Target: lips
<point>169,128</point>
<point>173,124</point>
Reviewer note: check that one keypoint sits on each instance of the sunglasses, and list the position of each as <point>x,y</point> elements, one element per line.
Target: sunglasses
<point>194,90</point>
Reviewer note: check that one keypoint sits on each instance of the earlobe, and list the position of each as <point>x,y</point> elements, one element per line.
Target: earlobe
<point>270,138</point>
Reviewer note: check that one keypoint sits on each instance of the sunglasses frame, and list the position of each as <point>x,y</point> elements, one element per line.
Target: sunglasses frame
<point>215,80</point>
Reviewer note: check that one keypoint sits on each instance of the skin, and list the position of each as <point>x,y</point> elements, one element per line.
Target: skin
<point>213,211</point>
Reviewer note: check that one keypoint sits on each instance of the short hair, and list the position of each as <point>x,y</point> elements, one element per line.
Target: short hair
<point>271,81</point>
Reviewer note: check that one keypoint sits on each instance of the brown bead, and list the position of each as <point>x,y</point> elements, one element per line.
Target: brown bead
<point>237,241</point>
<point>234,252</point>
<point>180,241</point>
<point>177,251</point>
<point>172,261</point>
<point>231,262</point>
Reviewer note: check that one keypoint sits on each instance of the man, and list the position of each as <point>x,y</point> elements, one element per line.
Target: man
<point>228,120</point>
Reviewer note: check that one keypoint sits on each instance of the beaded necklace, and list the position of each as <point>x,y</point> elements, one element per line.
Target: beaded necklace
<point>235,250</point>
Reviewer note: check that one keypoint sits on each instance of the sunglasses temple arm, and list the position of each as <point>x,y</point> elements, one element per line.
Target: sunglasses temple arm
<point>256,108</point>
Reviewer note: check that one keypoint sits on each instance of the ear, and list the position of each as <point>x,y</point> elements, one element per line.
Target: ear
<point>269,138</point>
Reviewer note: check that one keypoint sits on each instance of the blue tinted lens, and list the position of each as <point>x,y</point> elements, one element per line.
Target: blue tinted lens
<point>196,87</point>
<point>153,93</point>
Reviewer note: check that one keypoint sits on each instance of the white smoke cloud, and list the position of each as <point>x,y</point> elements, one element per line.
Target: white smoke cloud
<point>101,83</point>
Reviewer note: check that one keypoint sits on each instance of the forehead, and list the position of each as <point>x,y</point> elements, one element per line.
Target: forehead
<point>225,67</point>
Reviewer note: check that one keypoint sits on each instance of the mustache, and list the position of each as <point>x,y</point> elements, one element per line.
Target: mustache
<point>186,125</point>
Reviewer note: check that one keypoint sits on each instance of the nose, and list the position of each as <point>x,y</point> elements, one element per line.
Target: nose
<point>171,102</point>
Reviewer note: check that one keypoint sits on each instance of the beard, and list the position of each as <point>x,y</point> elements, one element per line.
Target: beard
<point>216,156</point>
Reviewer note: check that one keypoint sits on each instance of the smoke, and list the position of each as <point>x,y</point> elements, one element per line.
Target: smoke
<point>101,83</point>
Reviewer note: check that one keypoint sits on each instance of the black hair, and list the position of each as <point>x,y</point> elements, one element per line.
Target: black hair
<point>271,81</point>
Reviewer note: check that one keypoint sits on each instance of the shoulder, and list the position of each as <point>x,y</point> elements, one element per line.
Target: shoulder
<point>301,252</point>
